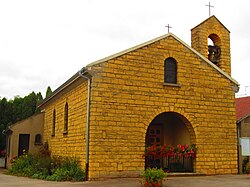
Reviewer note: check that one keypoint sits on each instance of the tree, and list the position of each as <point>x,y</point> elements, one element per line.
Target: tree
<point>39,98</point>
<point>6,112</point>
<point>29,105</point>
<point>18,109</point>
<point>2,137</point>
<point>48,92</point>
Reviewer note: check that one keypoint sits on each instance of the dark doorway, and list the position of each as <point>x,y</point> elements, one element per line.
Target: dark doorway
<point>24,141</point>
<point>169,128</point>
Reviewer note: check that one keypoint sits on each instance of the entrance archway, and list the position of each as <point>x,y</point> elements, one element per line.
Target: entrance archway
<point>170,128</point>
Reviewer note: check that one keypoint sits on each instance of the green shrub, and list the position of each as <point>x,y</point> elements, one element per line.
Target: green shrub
<point>45,164</point>
<point>25,165</point>
<point>53,178</point>
<point>39,175</point>
<point>47,168</point>
<point>68,169</point>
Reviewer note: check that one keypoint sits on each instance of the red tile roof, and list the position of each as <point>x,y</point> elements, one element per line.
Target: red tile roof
<point>242,108</point>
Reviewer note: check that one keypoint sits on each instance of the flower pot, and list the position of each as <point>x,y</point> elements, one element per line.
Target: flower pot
<point>156,184</point>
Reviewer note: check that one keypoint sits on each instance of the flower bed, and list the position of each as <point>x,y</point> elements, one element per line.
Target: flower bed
<point>43,166</point>
<point>170,151</point>
<point>176,158</point>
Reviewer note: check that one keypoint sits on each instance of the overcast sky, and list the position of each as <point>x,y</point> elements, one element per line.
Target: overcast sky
<point>43,43</point>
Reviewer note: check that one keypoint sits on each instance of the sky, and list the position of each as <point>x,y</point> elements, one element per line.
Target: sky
<point>44,42</point>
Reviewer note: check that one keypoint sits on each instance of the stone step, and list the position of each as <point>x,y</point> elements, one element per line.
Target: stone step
<point>185,174</point>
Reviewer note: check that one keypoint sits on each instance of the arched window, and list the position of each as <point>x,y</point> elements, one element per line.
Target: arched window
<point>66,118</point>
<point>170,71</point>
<point>54,123</point>
<point>38,139</point>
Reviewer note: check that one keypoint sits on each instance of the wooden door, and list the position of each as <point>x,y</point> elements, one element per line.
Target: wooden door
<point>24,141</point>
<point>154,137</point>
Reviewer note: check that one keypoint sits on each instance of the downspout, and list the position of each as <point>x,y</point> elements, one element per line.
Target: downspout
<point>238,147</point>
<point>81,74</point>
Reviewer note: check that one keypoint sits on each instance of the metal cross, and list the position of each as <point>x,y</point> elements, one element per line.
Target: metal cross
<point>169,27</point>
<point>210,6</point>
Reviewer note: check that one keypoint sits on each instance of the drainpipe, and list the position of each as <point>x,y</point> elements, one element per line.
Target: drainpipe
<point>81,74</point>
<point>239,148</point>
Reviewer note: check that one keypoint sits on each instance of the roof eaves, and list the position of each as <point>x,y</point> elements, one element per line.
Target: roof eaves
<point>157,39</point>
<point>76,76</point>
<point>59,89</point>
<point>241,119</point>
<point>21,121</point>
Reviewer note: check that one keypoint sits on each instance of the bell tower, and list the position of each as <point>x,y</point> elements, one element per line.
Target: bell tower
<point>218,50</point>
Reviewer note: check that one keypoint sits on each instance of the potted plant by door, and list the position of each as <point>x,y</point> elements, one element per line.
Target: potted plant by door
<point>152,177</point>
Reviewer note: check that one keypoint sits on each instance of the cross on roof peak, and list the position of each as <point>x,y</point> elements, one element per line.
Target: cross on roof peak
<point>169,27</point>
<point>210,6</point>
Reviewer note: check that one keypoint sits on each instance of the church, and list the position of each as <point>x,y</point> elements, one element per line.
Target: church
<point>162,91</point>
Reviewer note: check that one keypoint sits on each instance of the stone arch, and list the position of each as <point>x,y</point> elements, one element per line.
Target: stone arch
<point>190,122</point>
<point>215,38</point>
<point>169,127</point>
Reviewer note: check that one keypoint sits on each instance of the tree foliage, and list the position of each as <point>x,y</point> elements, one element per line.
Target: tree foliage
<point>17,109</point>
<point>39,98</point>
<point>48,92</point>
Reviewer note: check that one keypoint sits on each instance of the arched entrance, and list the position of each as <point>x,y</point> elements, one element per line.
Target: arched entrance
<point>172,129</point>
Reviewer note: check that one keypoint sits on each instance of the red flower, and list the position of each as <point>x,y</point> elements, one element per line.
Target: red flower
<point>156,184</point>
<point>170,151</point>
<point>3,152</point>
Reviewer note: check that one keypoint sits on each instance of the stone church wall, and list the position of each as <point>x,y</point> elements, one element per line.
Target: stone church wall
<point>73,143</point>
<point>128,92</point>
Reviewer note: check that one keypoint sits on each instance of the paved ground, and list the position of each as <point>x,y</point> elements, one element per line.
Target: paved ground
<point>210,181</point>
<point>197,181</point>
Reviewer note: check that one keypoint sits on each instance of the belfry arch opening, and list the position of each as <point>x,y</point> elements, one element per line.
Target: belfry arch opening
<point>169,128</point>
<point>209,41</point>
<point>214,49</point>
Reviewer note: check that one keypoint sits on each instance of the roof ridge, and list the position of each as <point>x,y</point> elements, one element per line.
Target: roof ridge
<point>242,97</point>
<point>157,39</point>
<point>208,61</point>
<point>213,16</point>
<point>88,67</point>
<point>129,50</point>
